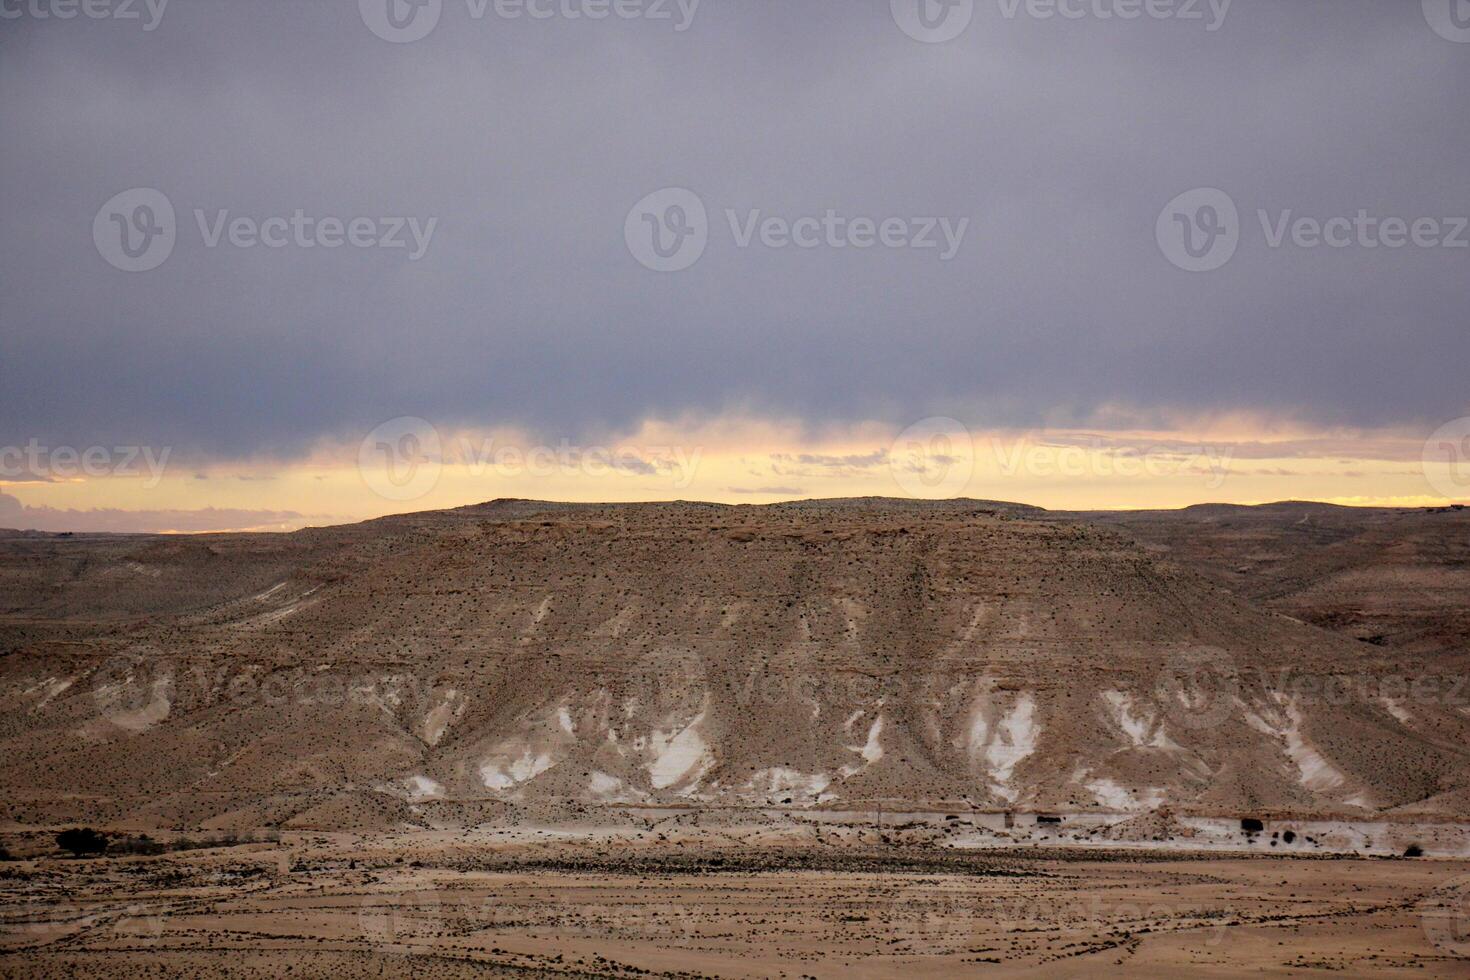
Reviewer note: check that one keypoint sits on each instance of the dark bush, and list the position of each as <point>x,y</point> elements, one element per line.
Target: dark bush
<point>1414,851</point>
<point>1251,825</point>
<point>142,844</point>
<point>82,840</point>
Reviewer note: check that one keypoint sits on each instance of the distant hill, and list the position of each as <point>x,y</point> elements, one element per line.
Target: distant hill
<point>426,668</point>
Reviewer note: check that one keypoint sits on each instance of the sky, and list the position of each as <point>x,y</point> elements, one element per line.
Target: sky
<point>271,264</point>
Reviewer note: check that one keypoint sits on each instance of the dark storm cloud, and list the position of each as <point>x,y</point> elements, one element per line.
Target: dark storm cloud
<point>530,140</point>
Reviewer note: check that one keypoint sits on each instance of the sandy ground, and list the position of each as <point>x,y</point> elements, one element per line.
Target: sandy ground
<point>742,902</point>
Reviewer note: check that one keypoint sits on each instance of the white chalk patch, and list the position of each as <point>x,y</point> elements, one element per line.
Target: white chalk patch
<point>155,711</point>
<point>438,719</point>
<point>789,782</point>
<point>967,636</point>
<point>268,592</point>
<point>423,788</point>
<point>499,775</point>
<point>871,750</point>
<point>679,757</point>
<point>49,690</point>
<point>1315,772</point>
<point>1121,710</point>
<point>1139,722</point>
<point>1396,708</point>
<point>604,785</point>
<point>612,789</point>
<point>1111,794</point>
<point>1000,747</point>
<point>1115,796</point>
<point>617,625</point>
<point>541,610</point>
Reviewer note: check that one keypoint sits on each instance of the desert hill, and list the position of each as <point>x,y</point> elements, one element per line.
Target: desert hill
<point>1395,577</point>
<point>462,666</point>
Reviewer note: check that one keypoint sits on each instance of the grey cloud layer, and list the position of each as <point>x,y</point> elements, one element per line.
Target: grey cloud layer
<point>530,140</point>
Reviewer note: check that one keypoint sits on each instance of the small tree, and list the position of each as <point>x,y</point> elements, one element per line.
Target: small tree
<point>82,840</point>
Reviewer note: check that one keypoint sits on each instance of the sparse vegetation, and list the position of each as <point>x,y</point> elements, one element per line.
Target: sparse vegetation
<point>144,844</point>
<point>82,841</point>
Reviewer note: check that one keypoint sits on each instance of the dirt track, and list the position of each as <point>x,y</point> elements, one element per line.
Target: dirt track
<point>345,907</point>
